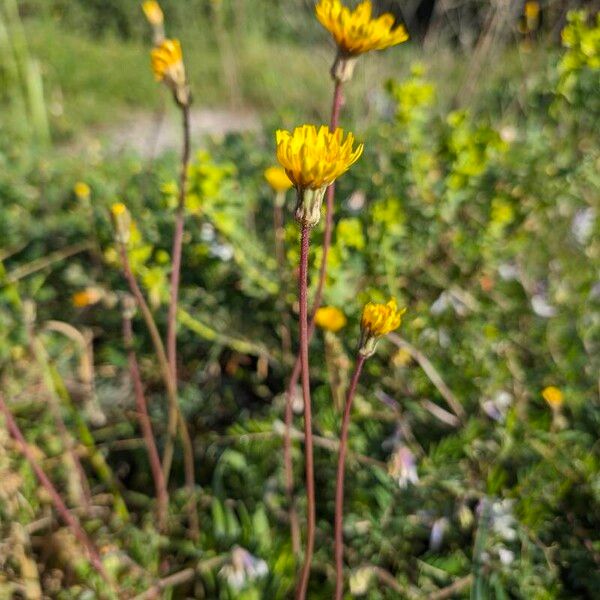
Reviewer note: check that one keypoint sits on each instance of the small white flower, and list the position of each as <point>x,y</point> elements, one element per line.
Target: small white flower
<point>243,568</point>
<point>403,467</point>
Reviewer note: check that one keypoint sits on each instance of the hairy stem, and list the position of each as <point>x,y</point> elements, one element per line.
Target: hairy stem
<point>308,441</point>
<point>160,488</point>
<point>293,382</point>
<point>339,489</point>
<point>66,515</point>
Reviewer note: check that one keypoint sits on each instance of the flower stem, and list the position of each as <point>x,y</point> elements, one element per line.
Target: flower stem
<point>67,516</point>
<point>308,441</point>
<point>175,281</point>
<point>167,374</point>
<point>339,490</point>
<point>162,496</point>
<point>293,382</point>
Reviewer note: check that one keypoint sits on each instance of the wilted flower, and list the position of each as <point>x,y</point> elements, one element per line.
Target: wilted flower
<point>278,180</point>
<point>436,537</point>
<point>497,407</point>
<point>87,297</point>
<point>243,568</point>
<point>357,31</point>
<point>330,318</point>
<point>313,159</point>
<point>167,66</point>
<point>122,222</point>
<point>82,190</point>
<point>378,320</point>
<point>403,467</point>
<point>553,396</point>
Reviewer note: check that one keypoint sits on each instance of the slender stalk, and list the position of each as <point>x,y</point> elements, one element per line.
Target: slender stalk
<point>167,373</point>
<point>339,489</point>
<point>308,442</point>
<point>160,488</point>
<point>293,382</point>
<point>176,253</point>
<point>67,516</point>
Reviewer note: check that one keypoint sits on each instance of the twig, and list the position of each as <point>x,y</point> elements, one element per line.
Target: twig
<point>46,261</point>
<point>454,588</point>
<point>432,373</point>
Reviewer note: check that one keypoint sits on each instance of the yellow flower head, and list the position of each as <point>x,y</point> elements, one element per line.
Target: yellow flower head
<point>532,9</point>
<point>553,396</point>
<point>380,319</point>
<point>330,318</point>
<point>86,297</point>
<point>82,190</point>
<point>167,62</point>
<point>357,31</point>
<point>278,180</point>
<point>153,12</point>
<point>314,158</point>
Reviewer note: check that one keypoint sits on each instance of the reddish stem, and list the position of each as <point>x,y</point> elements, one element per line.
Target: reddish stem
<point>293,382</point>
<point>66,515</point>
<point>308,441</point>
<point>178,245</point>
<point>339,490</point>
<point>160,486</point>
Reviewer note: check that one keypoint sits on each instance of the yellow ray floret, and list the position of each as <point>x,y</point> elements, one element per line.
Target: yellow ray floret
<point>380,319</point>
<point>330,318</point>
<point>553,396</point>
<point>315,158</point>
<point>153,12</point>
<point>357,31</point>
<point>278,180</point>
<point>167,62</point>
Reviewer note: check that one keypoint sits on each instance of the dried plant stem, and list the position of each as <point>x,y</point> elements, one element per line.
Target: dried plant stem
<point>308,441</point>
<point>339,489</point>
<point>162,496</point>
<point>167,373</point>
<point>293,382</point>
<point>66,515</point>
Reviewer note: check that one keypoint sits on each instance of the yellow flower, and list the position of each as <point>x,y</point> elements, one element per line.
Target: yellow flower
<point>357,31</point>
<point>153,12</point>
<point>86,297</point>
<point>316,158</point>
<point>378,320</point>
<point>553,396</point>
<point>381,319</point>
<point>82,190</point>
<point>277,178</point>
<point>532,9</point>
<point>330,318</point>
<point>167,66</point>
<point>313,159</point>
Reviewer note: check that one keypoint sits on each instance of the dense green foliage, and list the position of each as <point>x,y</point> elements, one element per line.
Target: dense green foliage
<point>483,222</point>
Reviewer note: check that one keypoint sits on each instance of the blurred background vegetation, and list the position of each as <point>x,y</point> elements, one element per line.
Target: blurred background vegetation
<point>476,205</point>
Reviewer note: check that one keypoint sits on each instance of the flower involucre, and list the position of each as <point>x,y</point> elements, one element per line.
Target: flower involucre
<point>356,32</point>
<point>153,12</point>
<point>278,180</point>
<point>314,158</point>
<point>330,318</point>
